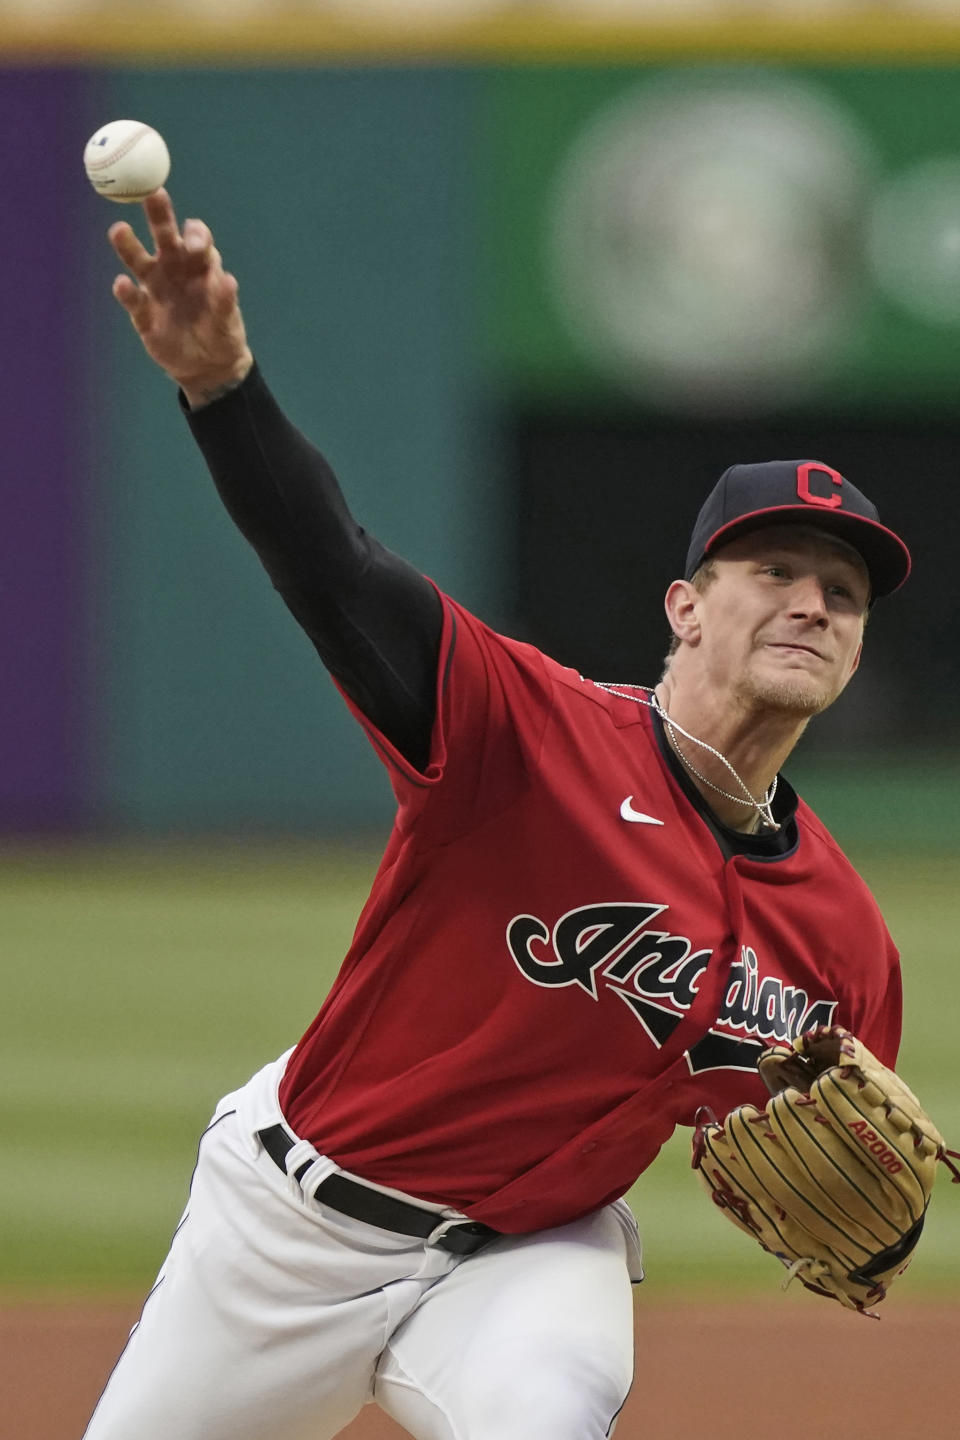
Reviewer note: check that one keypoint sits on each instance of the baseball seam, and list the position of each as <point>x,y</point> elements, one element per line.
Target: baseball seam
<point>121,150</point>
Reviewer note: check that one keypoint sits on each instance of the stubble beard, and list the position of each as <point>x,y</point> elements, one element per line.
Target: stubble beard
<point>798,698</point>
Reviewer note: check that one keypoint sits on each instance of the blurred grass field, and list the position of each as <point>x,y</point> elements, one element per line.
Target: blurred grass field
<point>143,981</point>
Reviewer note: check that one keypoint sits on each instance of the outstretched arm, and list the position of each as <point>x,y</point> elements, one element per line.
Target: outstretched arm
<point>374,620</point>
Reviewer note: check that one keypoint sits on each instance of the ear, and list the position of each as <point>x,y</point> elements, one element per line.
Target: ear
<point>680,603</point>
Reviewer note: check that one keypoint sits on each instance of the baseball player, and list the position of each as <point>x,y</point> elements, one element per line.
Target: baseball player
<point>597,905</point>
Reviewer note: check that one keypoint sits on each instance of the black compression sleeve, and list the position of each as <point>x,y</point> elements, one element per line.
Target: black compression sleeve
<point>375,621</point>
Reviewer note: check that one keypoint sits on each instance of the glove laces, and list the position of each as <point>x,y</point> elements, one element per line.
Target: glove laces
<point>948,1157</point>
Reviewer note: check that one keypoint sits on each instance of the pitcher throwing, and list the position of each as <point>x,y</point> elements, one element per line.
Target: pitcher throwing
<point>599,903</point>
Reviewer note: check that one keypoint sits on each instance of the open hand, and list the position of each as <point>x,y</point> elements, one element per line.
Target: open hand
<point>182,302</point>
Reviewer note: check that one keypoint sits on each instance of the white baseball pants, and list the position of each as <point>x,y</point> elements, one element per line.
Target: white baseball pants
<point>275,1319</point>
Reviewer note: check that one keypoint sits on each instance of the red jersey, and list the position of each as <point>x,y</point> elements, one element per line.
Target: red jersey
<point>560,960</point>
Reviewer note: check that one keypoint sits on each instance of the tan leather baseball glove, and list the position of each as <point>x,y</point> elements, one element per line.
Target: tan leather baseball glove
<point>834,1177</point>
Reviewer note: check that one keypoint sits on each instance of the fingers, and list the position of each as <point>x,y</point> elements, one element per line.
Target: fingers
<point>196,236</point>
<point>162,220</point>
<point>125,290</point>
<point>225,294</point>
<point>128,247</point>
<point>194,250</point>
<point>135,301</point>
<point>196,240</point>
<point>200,253</point>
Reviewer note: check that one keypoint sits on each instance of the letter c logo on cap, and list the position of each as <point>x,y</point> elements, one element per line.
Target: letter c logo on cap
<point>828,502</point>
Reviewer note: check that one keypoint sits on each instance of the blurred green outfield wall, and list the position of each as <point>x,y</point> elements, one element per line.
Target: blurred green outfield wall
<point>798,223</point>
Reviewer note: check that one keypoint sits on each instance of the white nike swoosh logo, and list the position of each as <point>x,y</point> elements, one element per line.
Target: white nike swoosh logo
<point>628,813</point>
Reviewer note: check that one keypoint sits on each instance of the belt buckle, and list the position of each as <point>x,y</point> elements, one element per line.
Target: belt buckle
<point>439,1231</point>
<point>446,1231</point>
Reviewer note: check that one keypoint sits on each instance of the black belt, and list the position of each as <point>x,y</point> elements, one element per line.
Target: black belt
<point>360,1202</point>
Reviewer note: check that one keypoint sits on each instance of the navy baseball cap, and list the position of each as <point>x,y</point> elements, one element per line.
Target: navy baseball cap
<point>777,492</point>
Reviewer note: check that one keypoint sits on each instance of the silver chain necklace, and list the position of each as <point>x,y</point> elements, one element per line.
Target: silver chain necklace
<point>762,807</point>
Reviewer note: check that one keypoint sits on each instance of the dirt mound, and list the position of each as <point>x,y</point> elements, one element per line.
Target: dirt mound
<point>796,1357</point>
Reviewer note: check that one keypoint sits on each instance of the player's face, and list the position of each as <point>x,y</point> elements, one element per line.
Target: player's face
<point>782,623</point>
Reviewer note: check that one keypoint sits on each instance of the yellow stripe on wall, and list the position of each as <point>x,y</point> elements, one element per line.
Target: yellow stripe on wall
<point>106,33</point>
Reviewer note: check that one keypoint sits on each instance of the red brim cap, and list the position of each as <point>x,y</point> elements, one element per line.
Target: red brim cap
<point>777,492</point>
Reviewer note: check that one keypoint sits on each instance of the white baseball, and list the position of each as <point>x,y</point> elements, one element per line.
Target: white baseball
<point>126,160</point>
